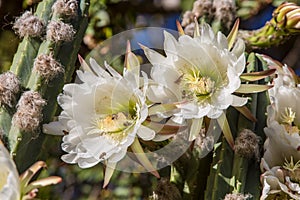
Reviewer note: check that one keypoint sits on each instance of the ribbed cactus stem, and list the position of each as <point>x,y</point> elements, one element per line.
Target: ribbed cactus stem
<point>28,48</point>
<point>52,50</point>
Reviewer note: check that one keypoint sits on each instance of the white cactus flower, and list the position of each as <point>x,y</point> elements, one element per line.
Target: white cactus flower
<point>9,177</point>
<point>201,73</point>
<point>283,122</point>
<point>102,115</point>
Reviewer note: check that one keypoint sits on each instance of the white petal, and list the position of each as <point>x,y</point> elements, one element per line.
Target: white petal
<point>146,133</point>
<point>239,101</point>
<point>54,128</point>
<point>160,137</point>
<point>98,69</point>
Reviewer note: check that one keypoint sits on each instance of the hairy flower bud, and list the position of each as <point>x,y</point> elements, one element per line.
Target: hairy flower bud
<point>29,25</point>
<point>200,8</point>
<point>29,111</point>
<point>66,7</point>
<point>59,31</point>
<point>247,144</point>
<point>9,87</point>
<point>47,67</point>
<point>225,12</point>
<point>237,196</point>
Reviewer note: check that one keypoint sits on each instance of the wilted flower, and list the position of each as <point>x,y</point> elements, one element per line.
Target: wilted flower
<point>282,131</point>
<point>281,182</point>
<point>102,116</point>
<point>198,74</point>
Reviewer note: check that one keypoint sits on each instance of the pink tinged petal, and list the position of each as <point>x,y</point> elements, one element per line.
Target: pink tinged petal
<point>146,133</point>
<point>239,101</point>
<point>195,128</point>
<point>109,170</point>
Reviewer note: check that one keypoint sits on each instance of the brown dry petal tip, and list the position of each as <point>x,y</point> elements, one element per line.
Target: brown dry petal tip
<point>237,196</point>
<point>9,87</point>
<point>29,25</point>
<point>247,145</point>
<point>29,111</point>
<point>66,7</point>
<point>59,31</point>
<point>47,67</point>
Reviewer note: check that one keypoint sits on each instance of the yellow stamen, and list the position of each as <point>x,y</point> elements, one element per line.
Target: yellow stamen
<point>113,125</point>
<point>288,116</point>
<point>196,86</point>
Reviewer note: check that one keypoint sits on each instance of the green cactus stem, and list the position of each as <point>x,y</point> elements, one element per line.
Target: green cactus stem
<point>22,143</point>
<point>28,48</point>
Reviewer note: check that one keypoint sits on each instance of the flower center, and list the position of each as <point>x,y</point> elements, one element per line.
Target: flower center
<point>287,119</point>
<point>113,126</point>
<point>3,178</point>
<point>194,86</point>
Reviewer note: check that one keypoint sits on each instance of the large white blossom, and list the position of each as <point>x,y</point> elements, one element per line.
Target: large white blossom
<point>282,146</point>
<point>283,122</point>
<point>200,73</point>
<point>102,115</point>
<point>9,177</point>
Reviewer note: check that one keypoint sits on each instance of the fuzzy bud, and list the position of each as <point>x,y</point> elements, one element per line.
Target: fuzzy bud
<point>29,111</point>
<point>9,87</point>
<point>202,7</point>
<point>188,17</point>
<point>165,190</point>
<point>59,31</point>
<point>237,196</point>
<point>247,144</point>
<point>66,8</point>
<point>29,25</point>
<point>225,12</point>
<point>47,67</point>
